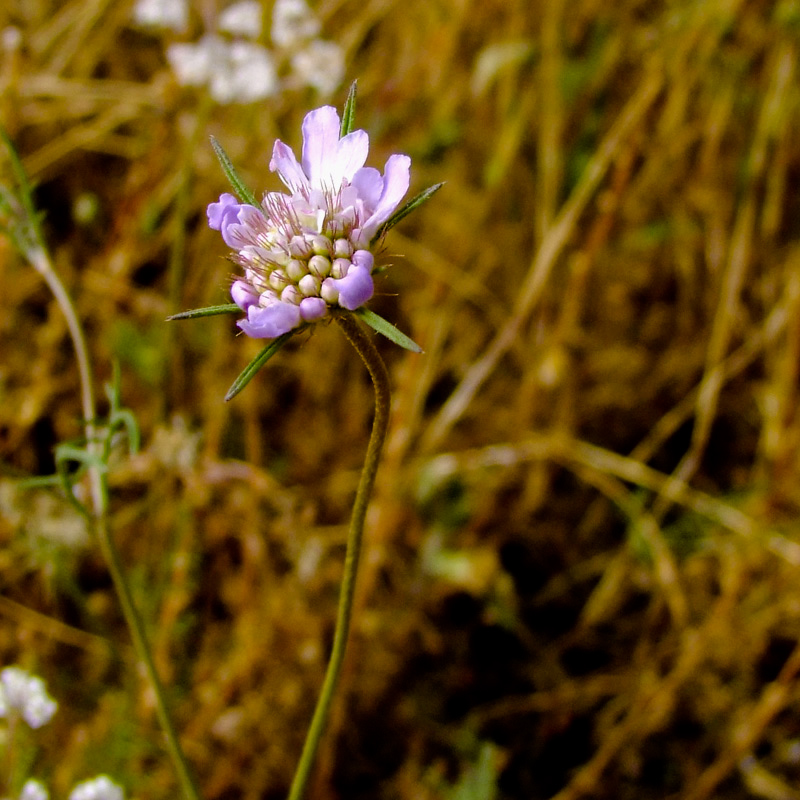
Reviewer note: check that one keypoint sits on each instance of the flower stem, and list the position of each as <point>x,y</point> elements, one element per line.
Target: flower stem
<point>40,260</point>
<point>380,381</point>
<point>136,628</point>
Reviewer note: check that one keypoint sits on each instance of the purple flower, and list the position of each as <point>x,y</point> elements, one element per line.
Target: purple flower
<point>308,251</point>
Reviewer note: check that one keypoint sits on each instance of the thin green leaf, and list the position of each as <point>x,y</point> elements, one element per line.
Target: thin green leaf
<point>379,324</point>
<point>245,195</point>
<point>349,112</point>
<point>66,453</point>
<point>124,418</point>
<point>255,365</point>
<point>119,416</point>
<point>33,218</point>
<point>228,308</point>
<point>410,206</point>
<point>39,482</point>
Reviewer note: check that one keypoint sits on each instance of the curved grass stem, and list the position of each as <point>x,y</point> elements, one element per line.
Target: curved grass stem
<point>380,380</point>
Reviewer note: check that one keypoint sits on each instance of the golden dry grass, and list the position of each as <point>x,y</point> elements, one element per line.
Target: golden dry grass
<point>584,547</point>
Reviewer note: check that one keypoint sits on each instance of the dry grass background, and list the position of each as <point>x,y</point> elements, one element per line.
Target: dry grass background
<point>582,570</point>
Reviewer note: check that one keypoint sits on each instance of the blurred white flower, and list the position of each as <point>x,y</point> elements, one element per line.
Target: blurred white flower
<point>27,694</point>
<point>242,19</point>
<point>246,75</point>
<point>99,788</point>
<point>193,63</point>
<point>320,65</point>
<point>34,790</point>
<point>172,14</point>
<point>293,22</point>
<point>234,71</point>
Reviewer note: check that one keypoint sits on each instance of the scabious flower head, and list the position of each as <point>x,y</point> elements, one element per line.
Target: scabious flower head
<point>309,251</point>
<point>27,695</point>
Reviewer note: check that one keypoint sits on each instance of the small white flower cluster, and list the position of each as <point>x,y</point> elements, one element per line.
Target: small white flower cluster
<point>170,14</point>
<point>239,69</point>
<point>26,695</point>
<point>99,788</point>
<point>34,790</point>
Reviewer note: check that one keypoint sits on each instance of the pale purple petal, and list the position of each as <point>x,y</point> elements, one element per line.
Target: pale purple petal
<point>351,154</point>
<point>396,179</point>
<point>355,288</point>
<point>320,142</point>
<point>328,161</point>
<point>217,211</point>
<point>243,295</point>
<point>313,308</point>
<point>240,225</point>
<point>363,258</point>
<point>284,162</point>
<point>233,234</point>
<point>270,322</point>
<point>369,184</point>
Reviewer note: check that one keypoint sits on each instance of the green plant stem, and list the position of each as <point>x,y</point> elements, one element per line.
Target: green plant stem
<point>136,628</point>
<point>99,517</point>
<point>40,261</point>
<point>380,380</point>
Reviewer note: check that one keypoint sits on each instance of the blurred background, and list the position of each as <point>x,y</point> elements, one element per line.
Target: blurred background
<point>581,575</point>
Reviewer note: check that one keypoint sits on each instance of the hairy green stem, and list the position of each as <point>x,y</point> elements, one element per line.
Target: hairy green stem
<point>380,380</point>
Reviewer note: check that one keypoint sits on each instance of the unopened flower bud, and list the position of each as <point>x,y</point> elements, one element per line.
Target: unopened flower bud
<point>340,267</point>
<point>296,269</point>
<point>313,308</point>
<point>321,245</point>
<point>319,266</point>
<point>309,285</point>
<point>359,240</point>
<point>278,279</point>
<point>300,247</point>
<point>291,294</point>
<point>342,248</point>
<point>329,293</point>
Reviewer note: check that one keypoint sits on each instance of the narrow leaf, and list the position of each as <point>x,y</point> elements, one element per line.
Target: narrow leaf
<point>410,206</point>
<point>65,453</point>
<point>245,195</point>
<point>379,324</point>
<point>124,418</point>
<point>349,112</point>
<point>255,365</point>
<point>228,308</point>
<point>33,218</point>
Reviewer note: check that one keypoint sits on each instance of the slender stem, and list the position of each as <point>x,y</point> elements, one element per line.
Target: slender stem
<point>99,518</point>
<point>380,380</point>
<point>40,261</point>
<point>136,628</point>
